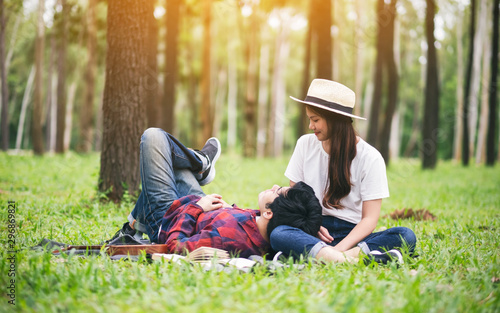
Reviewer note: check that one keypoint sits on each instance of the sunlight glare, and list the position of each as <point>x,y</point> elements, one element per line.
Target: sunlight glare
<point>246,10</point>
<point>159,12</point>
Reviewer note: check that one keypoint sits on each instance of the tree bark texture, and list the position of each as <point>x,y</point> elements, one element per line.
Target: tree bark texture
<point>123,104</point>
<point>431,102</point>
<point>36,127</point>
<point>171,64</point>
<point>493,85</point>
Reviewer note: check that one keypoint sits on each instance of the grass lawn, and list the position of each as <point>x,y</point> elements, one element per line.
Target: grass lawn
<point>55,196</point>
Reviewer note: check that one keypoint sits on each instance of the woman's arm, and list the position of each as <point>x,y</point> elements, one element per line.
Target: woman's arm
<point>369,219</point>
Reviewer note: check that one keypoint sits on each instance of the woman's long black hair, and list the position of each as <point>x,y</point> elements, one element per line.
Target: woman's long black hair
<point>342,137</point>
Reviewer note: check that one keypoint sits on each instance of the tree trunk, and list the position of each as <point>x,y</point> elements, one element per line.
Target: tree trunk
<point>263,100</point>
<point>61,78</point>
<point>232,96</point>
<point>493,85</point>
<point>476,75</point>
<point>3,76</point>
<point>323,25</point>
<point>50,130</point>
<point>171,51</point>
<point>192,90</point>
<point>431,102</point>
<point>206,118</point>
<point>306,77</point>
<point>220,99</point>
<point>36,128</point>
<point>124,116</point>
<point>373,128</point>
<point>483,116</point>
<point>393,83</point>
<point>68,121</point>
<point>465,113</point>
<point>24,106</point>
<point>457,141</point>
<point>252,54</point>
<point>152,83</point>
<point>278,96</point>
<point>359,72</point>
<point>87,109</point>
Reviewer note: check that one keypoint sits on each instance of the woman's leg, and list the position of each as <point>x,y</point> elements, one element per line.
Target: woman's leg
<point>294,242</point>
<point>167,174</point>
<point>392,238</point>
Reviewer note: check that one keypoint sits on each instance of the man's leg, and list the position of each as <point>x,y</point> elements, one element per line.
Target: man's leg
<point>167,169</point>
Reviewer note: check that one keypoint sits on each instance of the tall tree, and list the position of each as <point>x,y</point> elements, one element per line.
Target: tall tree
<point>36,128</point>
<point>250,111</point>
<point>493,116</point>
<point>393,83</point>
<point>306,76</point>
<point>87,108</point>
<point>61,76</point>
<point>3,78</point>
<point>205,113</point>
<point>151,97</point>
<point>457,140</point>
<point>431,106</point>
<point>322,30</point>
<point>124,116</point>
<point>384,64</point>
<point>465,112</point>
<point>171,51</point>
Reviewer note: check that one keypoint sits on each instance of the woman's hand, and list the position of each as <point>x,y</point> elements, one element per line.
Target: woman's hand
<point>324,235</point>
<point>211,202</point>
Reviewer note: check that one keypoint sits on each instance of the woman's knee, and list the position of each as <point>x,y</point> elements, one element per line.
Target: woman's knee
<point>408,236</point>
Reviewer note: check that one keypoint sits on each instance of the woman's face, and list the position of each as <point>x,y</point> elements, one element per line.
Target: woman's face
<point>318,125</point>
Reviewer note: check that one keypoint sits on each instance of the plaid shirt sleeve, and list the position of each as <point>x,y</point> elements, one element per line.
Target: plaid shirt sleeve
<point>188,227</point>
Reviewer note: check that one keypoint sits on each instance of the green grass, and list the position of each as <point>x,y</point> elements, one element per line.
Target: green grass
<point>457,271</point>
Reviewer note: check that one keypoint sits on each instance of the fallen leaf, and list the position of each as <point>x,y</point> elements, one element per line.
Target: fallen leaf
<point>495,280</point>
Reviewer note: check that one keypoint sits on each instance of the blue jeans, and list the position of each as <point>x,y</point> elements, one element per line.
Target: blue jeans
<point>167,174</point>
<point>293,241</point>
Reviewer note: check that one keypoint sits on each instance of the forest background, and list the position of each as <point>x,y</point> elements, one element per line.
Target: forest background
<point>93,75</point>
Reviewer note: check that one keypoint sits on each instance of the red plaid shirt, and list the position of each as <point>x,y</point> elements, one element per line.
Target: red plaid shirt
<point>185,226</point>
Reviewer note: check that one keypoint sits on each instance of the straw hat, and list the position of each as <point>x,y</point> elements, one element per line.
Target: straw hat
<point>331,96</point>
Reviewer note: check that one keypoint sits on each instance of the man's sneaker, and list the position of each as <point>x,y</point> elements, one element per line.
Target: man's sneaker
<point>209,155</point>
<point>125,230</point>
<point>385,257</point>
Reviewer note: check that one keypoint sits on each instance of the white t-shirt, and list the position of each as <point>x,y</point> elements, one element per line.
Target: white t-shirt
<point>309,163</point>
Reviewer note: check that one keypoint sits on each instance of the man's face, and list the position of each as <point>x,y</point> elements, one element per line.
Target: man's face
<point>268,196</point>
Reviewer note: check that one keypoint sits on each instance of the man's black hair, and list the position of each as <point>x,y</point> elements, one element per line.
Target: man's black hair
<point>298,208</point>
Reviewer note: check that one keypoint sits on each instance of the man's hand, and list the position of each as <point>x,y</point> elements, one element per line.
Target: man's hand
<point>211,202</point>
<point>324,235</point>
